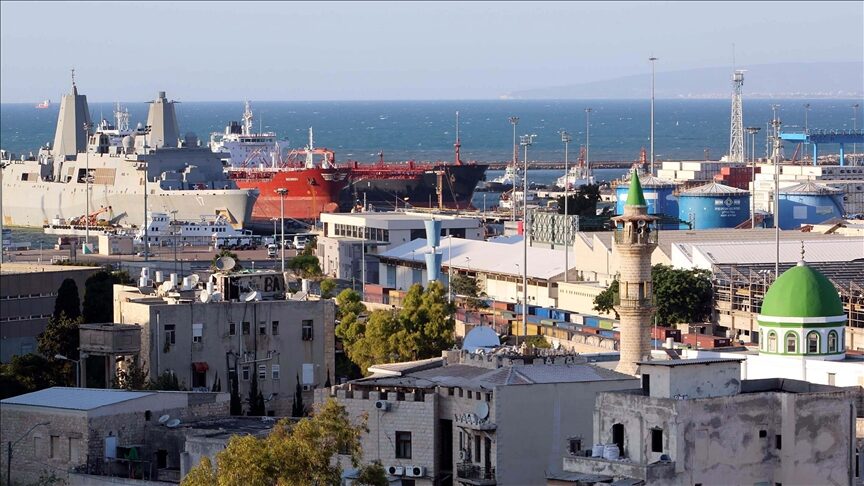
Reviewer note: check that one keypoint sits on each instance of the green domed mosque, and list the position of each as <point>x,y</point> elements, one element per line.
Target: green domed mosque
<point>802,316</point>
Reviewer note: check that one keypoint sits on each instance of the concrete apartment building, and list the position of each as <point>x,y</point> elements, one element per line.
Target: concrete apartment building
<point>277,340</point>
<point>475,419</point>
<point>340,248</point>
<point>27,294</point>
<point>695,422</point>
<point>93,431</point>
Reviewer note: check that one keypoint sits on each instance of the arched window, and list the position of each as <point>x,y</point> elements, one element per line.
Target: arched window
<point>772,342</point>
<point>813,342</point>
<point>832,342</point>
<point>791,342</point>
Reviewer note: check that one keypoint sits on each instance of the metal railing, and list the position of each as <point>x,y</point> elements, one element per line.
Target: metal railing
<point>626,237</point>
<point>467,470</point>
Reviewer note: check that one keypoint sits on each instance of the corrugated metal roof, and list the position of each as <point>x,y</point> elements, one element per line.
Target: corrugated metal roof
<point>74,398</point>
<point>809,187</point>
<point>485,256</point>
<point>714,189</point>
<point>837,250</point>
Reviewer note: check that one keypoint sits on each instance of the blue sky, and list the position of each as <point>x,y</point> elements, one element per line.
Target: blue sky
<point>394,50</point>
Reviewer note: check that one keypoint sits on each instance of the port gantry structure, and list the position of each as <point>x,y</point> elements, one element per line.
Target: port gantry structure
<point>736,131</point>
<point>817,137</point>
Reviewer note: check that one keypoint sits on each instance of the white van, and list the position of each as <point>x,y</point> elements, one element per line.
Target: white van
<point>300,242</point>
<point>271,250</point>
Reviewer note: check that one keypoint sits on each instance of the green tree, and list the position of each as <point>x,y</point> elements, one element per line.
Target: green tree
<point>99,296</point>
<point>32,372</point>
<point>60,337</point>
<point>537,342</point>
<point>256,398</point>
<point>468,290</point>
<point>134,377</point>
<point>306,266</point>
<point>300,454</point>
<point>311,246</point>
<point>166,381</point>
<point>680,295</point>
<point>297,407</point>
<point>67,302</point>
<point>421,329</point>
<point>327,287</point>
<point>582,202</point>
<point>373,475</point>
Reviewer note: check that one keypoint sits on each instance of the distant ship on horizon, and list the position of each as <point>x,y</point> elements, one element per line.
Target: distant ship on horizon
<point>43,105</point>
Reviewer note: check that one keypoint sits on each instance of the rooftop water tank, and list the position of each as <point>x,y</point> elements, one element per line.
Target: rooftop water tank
<point>714,206</point>
<point>809,203</point>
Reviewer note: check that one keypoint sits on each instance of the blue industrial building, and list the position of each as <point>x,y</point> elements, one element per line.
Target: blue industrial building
<point>659,195</point>
<point>714,206</point>
<point>809,203</point>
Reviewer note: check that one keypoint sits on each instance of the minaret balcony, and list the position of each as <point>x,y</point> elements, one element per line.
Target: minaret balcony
<point>632,301</point>
<point>635,236</point>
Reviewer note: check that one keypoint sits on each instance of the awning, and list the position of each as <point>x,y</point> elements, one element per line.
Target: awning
<point>200,367</point>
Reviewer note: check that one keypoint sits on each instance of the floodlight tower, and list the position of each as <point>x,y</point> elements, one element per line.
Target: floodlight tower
<point>736,132</point>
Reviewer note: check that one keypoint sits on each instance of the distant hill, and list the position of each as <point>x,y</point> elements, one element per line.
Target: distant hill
<point>790,80</point>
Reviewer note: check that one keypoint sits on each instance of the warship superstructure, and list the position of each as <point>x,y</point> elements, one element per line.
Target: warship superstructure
<point>148,169</point>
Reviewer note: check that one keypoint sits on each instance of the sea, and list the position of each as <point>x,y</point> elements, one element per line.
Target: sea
<point>615,130</point>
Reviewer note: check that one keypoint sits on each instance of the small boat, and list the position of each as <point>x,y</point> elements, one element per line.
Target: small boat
<point>43,105</point>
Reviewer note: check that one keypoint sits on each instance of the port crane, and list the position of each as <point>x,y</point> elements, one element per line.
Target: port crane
<point>90,218</point>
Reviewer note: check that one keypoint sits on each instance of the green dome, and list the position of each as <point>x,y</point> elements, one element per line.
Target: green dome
<point>802,292</point>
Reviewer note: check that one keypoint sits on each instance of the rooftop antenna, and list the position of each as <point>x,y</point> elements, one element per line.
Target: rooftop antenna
<point>73,77</point>
<point>247,118</point>
<point>457,145</point>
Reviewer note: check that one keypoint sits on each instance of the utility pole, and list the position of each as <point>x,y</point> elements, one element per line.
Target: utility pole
<point>282,191</point>
<point>526,141</point>
<point>752,132</point>
<point>514,120</point>
<point>566,138</point>
<point>588,138</point>
<point>652,59</point>
<point>776,124</point>
<point>854,127</point>
<point>87,188</point>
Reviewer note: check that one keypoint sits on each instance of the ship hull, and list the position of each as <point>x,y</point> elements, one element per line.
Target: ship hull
<point>385,187</point>
<point>310,192</point>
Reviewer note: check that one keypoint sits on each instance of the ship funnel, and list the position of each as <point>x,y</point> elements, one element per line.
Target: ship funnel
<point>433,265</point>
<point>433,232</point>
<point>162,121</point>
<point>70,136</point>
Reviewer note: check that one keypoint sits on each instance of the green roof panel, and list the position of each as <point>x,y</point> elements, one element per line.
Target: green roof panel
<point>635,197</point>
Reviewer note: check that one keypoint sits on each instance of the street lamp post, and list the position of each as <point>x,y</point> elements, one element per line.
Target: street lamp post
<point>752,132</point>
<point>566,138</point>
<point>776,124</point>
<point>10,445</point>
<point>514,120</point>
<point>77,370</point>
<point>526,141</point>
<point>588,138</point>
<point>854,126</point>
<point>87,127</point>
<point>652,59</point>
<point>282,191</point>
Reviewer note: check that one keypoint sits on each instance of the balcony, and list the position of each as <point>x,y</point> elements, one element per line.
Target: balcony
<point>627,237</point>
<point>656,473</point>
<point>469,473</point>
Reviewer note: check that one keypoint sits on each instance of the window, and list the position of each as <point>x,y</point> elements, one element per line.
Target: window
<point>488,397</point>
<point>763,433</point>
<point>274,370</point>
<point>246,327</point>
<point>307,329</point>
<point>54,452</point>
<point>791,343</point>
<point>262,328</point>
<point>232,328</point>
<point>832,342</point>
<point>170,337</point>
<point>772,342</point>
<point>832,378</point>
<point>274,328</point>
<point>407,482</point>
<point>778,441</point>
<point>403,445</point>
<point>197,332</point>
<point>574,445</point>
<point>477,448</point>
<point>245,370</point>
<point>813,342</point>
<point>646,384</point>
<point>450,391</point>
<point>461,392</point>
<point>470,394</point>
<point>262,372</point>
<point>656,440</point>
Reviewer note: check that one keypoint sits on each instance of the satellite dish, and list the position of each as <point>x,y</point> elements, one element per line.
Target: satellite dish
<point>166,286</point>
<point>299,296</point>
<point>205,297</point>
<point>481,410</point>
<point>481,337</point>
<point>172,423</point>
<point>249,296</point>
<point>556,344</point>
<point>216,297</point>
<point>225,264</point>
<point>194,279</point>
<point>164,418</point>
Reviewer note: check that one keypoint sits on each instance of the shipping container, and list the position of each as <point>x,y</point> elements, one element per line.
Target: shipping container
<point>543,312</point>
<point>591,321</point>
<point>606,324</point>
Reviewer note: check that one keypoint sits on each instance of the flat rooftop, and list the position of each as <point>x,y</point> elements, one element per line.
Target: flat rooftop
<point>399,219</point>
<point>671,363</point>
<point>27,268</point>
<point>67,398</point>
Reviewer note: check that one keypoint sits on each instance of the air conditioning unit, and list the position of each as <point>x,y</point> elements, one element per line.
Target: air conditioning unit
<point>396,471</point>
<point>464,455</point>
<point>415,471</point>
<point>308,387</point>
<point>382,405</point>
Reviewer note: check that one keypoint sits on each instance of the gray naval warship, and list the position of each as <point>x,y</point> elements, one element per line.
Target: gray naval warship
<point>123,171</point>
